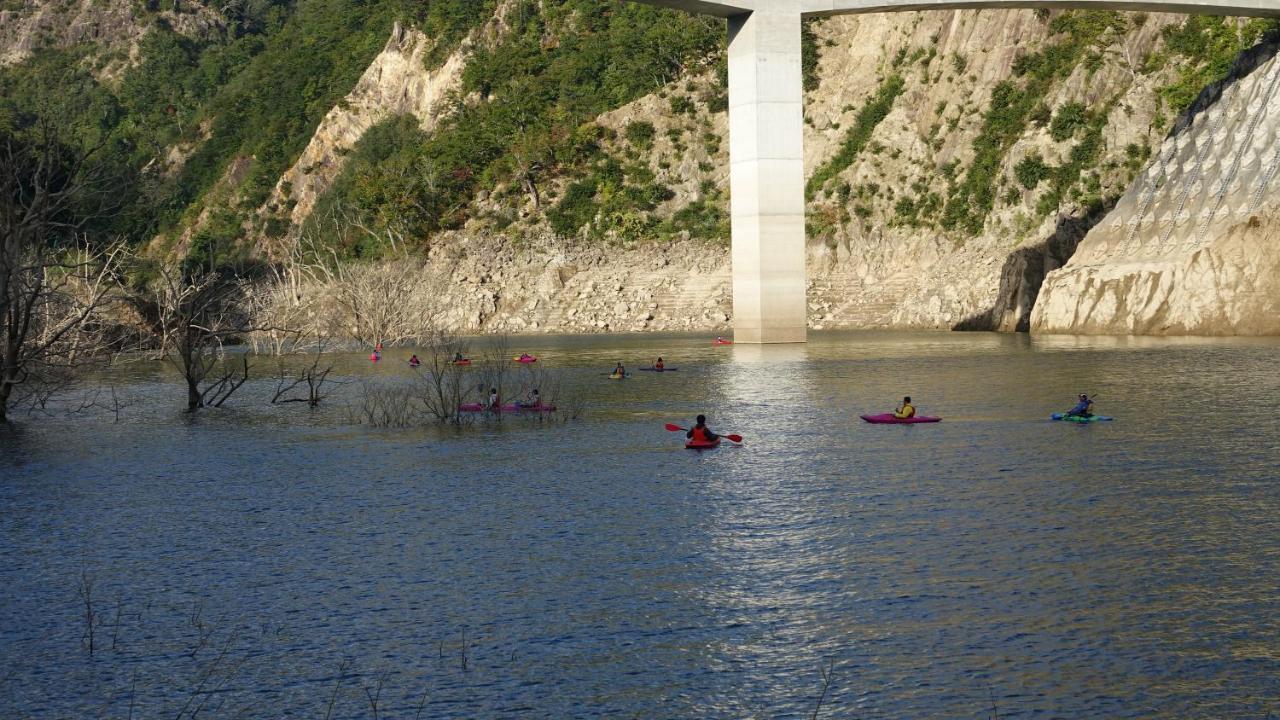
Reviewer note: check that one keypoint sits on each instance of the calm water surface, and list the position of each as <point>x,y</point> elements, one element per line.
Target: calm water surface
<point>265,561</point>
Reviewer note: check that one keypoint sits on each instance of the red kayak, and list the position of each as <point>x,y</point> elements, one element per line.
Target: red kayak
<point>718,341</point>
<point>889,419</point>
<point>460,363</point>
<point>702,444</point>
<point>509,408</point>
<point>526,359</point>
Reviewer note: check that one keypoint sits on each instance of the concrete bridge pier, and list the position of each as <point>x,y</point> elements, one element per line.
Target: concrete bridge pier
<point>766,130</point>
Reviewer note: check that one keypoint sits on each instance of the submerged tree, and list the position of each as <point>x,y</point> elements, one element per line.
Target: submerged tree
<point>55,274</point>
<point>199,316</point>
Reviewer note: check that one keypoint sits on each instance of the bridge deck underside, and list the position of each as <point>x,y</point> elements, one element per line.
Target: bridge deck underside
<point>729,8</point>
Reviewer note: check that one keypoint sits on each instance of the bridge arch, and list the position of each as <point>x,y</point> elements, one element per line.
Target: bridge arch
<point>766,136</point>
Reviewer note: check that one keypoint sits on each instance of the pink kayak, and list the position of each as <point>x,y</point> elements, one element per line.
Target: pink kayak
<point>509,408</point>
<point>889,419</point>
<point>526,359</point>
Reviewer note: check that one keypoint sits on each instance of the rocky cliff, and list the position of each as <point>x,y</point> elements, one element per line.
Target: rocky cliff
<point>399,82</point>
<point>112,29</point>
<point>882,251</point>
<point>1194,246</point>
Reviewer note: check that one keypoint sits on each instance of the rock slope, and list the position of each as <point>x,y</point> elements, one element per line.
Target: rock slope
<point>1194,246</point>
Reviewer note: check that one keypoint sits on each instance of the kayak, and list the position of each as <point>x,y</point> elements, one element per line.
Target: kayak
<point>509,408</point>
<point>525,360</point>
<point>1078,419</point>
<point>702,444</point>
<point>659,369</point>
<point>616,376</point>
<point>889,419</point>
<point>460,363</point>
<point>721,342</point>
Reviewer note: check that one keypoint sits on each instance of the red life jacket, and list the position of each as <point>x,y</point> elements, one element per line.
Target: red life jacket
<point>700,435</point>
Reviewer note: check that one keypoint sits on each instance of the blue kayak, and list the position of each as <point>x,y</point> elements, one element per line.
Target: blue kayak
<point>1078,419</point>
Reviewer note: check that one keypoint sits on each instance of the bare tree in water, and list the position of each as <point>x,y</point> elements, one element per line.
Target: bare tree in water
<point>442,383</point>
<point>54,274</point>
<point>199,315</point>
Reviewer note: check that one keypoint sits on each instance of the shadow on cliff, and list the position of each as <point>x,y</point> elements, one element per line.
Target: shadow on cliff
<point>1024,272</point>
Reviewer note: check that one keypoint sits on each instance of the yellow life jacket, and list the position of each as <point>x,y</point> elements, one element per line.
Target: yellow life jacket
<point>907,411</point>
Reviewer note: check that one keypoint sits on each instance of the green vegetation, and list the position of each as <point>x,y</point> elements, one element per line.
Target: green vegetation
<point>809,55</point>
<point>640,134</point>
<point>1031,171</point>
<point>534,122</point>
<point>1078,34</point>
<point>256,91</point>
<point>1205,47</point>
<point>1069,118</point>
<point>857,137</point>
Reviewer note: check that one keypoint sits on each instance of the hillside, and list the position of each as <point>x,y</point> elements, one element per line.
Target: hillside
<point>566,161</point>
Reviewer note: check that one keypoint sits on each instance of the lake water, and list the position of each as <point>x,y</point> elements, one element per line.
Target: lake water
<point>260,561</point>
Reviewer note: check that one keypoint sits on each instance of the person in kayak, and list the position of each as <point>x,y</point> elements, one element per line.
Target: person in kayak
<point>457,357</point>
<point>1083,409</point>
<point>659,365</point>
<point>495,400</point>
<point>532,400</point>
<point>375,357</point>
<point>414,361</point>
<point>700,432</point>
<point>619,371</point>
<point>525,357</point>
<point>906,410</point>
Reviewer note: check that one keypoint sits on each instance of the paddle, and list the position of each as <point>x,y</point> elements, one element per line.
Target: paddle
<point>730,438</point>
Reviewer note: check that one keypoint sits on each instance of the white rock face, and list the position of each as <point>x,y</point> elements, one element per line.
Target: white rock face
<point>1194,247</point>
<point>396,83</point>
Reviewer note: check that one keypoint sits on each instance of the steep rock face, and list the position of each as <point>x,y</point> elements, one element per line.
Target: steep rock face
<point>398,82</point>
<point>1194,246</point>
<point>871,267</point>
<point>61,24</point>
<point>111,27</point>
<point>879,267</point>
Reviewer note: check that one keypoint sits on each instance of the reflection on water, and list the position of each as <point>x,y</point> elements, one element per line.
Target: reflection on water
<point>269,562</point>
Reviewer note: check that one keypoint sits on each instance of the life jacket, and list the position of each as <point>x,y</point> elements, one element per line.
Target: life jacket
<point>659,365</point>
<point>907,411</point>
<point>700,435</point>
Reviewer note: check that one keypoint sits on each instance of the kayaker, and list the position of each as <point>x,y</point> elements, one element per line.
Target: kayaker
<point>619,371</point>
<point>495,400</point>
<point>1083,409</point>
<point>375,357</point>
<point>414,361</point>
<point>906,410</point>
<point>457,357</point>
<point>659,365</point>
<point>525,357</point>
<point>700,432</point>
<point>378,347</point>
<point>532,400</point>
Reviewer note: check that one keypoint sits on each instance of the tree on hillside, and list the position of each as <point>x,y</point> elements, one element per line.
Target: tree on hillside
<point>55,275</point>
